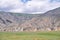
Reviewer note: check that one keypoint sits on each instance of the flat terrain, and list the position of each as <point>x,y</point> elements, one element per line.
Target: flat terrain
<point>30,35</point>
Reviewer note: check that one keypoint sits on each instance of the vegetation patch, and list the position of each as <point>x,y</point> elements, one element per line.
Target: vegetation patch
<point>30,35</point>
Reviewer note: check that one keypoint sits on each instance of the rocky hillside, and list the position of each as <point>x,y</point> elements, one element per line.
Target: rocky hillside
<point>17,22</point>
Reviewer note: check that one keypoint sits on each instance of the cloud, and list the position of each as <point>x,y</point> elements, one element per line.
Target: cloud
<point>31,6</point>
<point>10,5</point>
<point>41,5</point>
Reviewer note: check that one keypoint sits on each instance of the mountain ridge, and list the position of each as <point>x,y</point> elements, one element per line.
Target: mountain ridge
<point>15,22</point>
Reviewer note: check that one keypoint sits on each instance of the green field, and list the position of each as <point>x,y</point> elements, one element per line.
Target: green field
<point>29,35</point>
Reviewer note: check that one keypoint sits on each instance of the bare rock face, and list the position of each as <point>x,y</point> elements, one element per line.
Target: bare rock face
<point>49,21</point>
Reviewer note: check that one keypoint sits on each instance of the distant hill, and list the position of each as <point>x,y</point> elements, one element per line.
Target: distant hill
<point>17,22</point>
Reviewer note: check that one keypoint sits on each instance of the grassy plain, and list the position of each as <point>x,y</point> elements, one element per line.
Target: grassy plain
<point>30,35</point>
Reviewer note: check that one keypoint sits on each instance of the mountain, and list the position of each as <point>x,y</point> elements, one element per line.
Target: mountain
<point>54,11</point>
<point>17,22</point>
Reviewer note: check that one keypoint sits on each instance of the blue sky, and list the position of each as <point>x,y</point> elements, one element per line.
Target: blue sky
<point>25,1</point>
<point>28,6</point>
<point>55,0</point>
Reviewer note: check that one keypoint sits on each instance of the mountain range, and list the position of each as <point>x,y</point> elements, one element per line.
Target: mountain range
<point>17,22</point>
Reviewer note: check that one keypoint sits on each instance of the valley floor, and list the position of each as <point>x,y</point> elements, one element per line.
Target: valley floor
<point>30,35</point>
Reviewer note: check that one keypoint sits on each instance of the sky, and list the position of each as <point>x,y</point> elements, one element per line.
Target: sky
<point>28,6</point>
